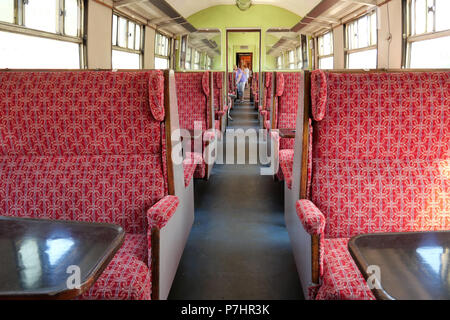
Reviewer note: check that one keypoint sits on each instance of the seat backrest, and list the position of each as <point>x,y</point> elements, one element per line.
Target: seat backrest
<point>82,145</point>
<point>193,91</point>
<point>255,84</point>
<point>218,90</point>
<point>287,91</point>
<point>268,83</point>
<point>380,156</point>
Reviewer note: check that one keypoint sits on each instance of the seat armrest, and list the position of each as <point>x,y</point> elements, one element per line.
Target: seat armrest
<point>275,150</point>
<point>160,213</point>
<point>311,217</point>
<point>220,113</point>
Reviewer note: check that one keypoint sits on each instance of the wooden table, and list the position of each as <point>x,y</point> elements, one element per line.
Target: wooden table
<point>412,265</point>
<point>37,256</point>
<point>287,133</point>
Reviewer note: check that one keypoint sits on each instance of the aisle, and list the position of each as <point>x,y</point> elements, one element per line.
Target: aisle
<point>239,247</point>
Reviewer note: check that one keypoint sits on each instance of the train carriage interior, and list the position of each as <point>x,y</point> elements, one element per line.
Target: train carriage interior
<point>225,150</point>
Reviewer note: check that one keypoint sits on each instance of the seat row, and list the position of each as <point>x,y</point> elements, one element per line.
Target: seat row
<point>99,146</point>
<point>370,154</point>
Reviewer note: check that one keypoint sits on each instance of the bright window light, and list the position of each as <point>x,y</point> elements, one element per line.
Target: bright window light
<point>434,53</point>
<point>25,52</point>
<point>161,63</point>
<point>125,60</point>
<point>326,63</point>
<point>363,60</point>
<point>41,15</point>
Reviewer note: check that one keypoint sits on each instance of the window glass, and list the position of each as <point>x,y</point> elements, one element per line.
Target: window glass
<point>7,11</point>
<point>433,53</point>
<point>114,31</point>
<point>122,33</point>
<point>71,18</point>
<point>161,63</point>
<point>47,53</point>
<point>431,49</point>
<point>366,59</point>
<point>442,15</point>
<point>326,63</point>
<point>41,15</point>
<point>137,41</point>
<point>125,60</point>
<point>131,29</point>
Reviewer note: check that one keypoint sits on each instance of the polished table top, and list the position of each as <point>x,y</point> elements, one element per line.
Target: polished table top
<point>412,265</point>
<point>41,258</point>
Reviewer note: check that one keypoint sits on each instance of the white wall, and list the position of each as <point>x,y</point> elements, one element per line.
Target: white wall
<point>390,52</point>
<point>99,35</point>
<point>149,48</point>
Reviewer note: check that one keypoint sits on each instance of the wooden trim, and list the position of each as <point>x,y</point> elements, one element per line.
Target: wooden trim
<point>169,92</point>
<point>155,242</point>
<point>315,259</point>
<point>305,140</point>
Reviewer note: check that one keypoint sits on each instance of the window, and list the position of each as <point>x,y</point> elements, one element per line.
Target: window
<point>162,52</point>
<point>41,34</point>
<point>208,63</point>
<point>280,62</point>
<point>325,43</point>
<point>428,38</point>
<point>299,57</point>
<point>196,60</point>
<point>292,59</point>
<point>361,41</point>
<point>126,43</point>
<point>188,58</point>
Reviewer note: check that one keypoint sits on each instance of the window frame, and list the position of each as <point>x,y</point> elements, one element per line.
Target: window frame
<point>330,55</point>
<point>373,43</point>
<point>169,48</point>
<point>116,47</point>
<point>410,38</point>
<point>18,27</point>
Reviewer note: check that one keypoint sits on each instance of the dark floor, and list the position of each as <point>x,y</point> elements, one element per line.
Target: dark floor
<point>238,247</point>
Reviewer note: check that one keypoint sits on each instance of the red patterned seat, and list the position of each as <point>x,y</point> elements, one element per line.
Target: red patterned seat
<point>264,108</point>
<point>288,86</point>
<point>220,106</point>
<point>193,94</point>
<point>286,163</point>
<point>255,88</point>
<point>341,278</point>
<point>88,146</point>
<point>380,162</point>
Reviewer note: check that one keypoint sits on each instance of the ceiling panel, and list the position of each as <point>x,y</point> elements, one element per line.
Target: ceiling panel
<point>187,8</point>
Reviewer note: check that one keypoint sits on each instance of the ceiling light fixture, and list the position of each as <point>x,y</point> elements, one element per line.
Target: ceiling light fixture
<point>243,4</point>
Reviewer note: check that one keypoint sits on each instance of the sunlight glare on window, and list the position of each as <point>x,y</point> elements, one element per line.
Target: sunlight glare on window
<point>442,15</point>
<point>161,63</point>
<point>326,63</point>
<point>122,30</point>
<point>7,11</point>
<point>363,60</point>
<point>41,15</point>
<point>131,28</point>
<point>114,31</point>
<point>47,53</point>
<point>137,42</point>
<point>433,53</point>
<point>125,60</point>
<point>71,18</point>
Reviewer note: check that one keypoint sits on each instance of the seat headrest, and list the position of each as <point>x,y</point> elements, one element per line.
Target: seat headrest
<point>205,83</point>
<point>280,84</point>
<point>219,80</point>
<point>318,94</point>
<point>268,79</point>
<point>156,95</point>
